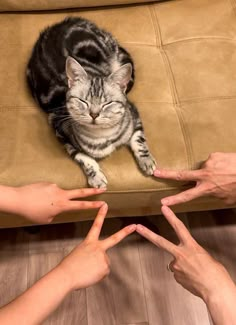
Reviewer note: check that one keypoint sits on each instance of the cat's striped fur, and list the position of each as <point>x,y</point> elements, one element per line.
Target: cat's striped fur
<point>80,76</point>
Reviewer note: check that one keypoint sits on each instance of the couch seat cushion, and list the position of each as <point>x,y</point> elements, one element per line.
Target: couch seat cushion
<point>185,91</point>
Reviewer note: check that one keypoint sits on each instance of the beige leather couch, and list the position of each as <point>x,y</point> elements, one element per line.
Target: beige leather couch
<point>185,57</point>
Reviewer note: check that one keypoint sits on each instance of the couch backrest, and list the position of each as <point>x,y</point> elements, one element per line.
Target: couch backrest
<point>25,5</point>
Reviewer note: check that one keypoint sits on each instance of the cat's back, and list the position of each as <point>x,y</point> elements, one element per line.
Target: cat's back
<point>76,37</point>
<point>94,48</point>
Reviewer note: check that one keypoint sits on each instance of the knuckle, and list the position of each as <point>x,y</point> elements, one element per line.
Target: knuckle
<point>97,224</point>
<point>180,255</point>
<point>185,197</point>
<point>179,176</point>
<point>82,191</point>
<point>61,204</point>
<point>115,238</point>
<point>82,204</point>
<point>176,266</point>
<point>209,188</point>
<point>178,224</point>
<point>205,172</point>
<point>214,155</point>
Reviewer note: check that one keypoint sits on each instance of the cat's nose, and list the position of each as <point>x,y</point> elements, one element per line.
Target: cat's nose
<point>94,115</point>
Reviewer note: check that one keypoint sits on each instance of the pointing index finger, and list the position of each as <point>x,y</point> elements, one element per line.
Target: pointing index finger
<point>95,230</point>
<point>157,240</point>
<point>180,175</point>
<point>185,196</point>
<point>117,237</point>
<point>83,192</point>
<point>178,226</point>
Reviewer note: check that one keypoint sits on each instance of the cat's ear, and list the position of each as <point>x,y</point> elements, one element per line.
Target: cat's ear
<point>74,71</point>
<point>122,76</point>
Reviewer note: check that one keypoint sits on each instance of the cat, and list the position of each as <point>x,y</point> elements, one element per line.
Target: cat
<point>80,76</point>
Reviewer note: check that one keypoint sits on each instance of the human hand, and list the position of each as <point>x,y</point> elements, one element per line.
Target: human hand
<point>192,266</point>
<point>41,202</point>
<point>217,178</point>
<point>88,263</point>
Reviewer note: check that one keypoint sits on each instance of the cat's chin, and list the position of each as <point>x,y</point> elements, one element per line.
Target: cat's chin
<point>93,126</point>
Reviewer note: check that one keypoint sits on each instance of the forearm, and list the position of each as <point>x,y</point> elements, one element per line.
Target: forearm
<point>9,199</point>
<point>222,306</point>
<point>38,302</point>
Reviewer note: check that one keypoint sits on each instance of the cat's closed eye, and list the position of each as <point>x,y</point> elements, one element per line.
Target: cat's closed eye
<point>112,104</point>
<point>83,102</point>
<point>105,105</point>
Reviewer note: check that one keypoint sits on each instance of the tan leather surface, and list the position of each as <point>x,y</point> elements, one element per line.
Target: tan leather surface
<point>185,57</point>
<point>24,5</point>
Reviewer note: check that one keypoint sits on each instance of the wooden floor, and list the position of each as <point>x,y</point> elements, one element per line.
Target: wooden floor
<point>139,290</point>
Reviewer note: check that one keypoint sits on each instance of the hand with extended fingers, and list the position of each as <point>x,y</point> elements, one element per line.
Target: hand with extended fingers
<point>196,270</point>
<point>192,266</point>
<point>41,202</point>
<point>217,177</point>
<point>88,263</point>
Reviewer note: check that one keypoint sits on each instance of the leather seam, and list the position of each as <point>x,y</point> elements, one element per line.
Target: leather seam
<point>199,39</point>
<point>207,99</point>
<point>170,75</point>
<point>233,5</point>
<point>182,101</point>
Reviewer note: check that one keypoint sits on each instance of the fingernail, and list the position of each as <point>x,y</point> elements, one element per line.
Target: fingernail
<point>157,172</point>
<point>139,227</point>
<point>101,189</point>
<point>164,207</point>
<point>164,202</point>
<point>104,206</point>
<point>132,227</point>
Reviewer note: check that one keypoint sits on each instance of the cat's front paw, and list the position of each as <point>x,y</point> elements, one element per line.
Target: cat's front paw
<point>97,180</point>
<point>147,164</point>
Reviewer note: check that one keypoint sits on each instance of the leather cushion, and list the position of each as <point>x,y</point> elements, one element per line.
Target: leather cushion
<point>24,5</point>
<point>185,90</point>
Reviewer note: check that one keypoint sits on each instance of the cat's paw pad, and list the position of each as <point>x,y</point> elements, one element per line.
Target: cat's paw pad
<point>147,164</point>
<point>97,180</point>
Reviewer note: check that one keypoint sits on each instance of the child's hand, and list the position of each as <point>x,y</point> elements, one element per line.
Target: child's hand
<point>41,202</point>
<point>88,263</point>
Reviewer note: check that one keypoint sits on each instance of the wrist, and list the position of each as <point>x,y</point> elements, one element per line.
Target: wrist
<point>223,292</point>
<point>65,278</point>
<point>9,199</point>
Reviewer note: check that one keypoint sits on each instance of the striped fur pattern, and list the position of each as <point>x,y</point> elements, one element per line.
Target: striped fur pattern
<point>80,76</point>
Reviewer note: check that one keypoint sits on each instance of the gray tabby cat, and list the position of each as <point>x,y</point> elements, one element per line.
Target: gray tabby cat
<point>80,76</point>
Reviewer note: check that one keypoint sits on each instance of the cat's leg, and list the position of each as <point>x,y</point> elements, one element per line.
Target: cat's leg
<point>141,152</point>
<point>91,168</point>
<point>95,176</point>
<point>139,145</point>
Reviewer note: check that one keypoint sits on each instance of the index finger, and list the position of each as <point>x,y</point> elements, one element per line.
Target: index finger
<point>83,192</point>
<point>180,175</point>
<point>185,196</point>
<point>95,230</point>
<point>178,226</point>
<point>117,237</point>
<point>157,240</point>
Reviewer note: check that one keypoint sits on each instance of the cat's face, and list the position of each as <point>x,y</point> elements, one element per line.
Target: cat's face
<point>97,102</point>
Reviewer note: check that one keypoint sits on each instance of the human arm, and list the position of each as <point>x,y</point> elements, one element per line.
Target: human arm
<point>41,202</point>
<point>86,265</point>
<point>216,177</point>
<point>197,271</point>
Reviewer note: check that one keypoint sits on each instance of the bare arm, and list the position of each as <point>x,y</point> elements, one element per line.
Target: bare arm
<point>41,202</point>
<point>197,271</point>
<point>86,265</point>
